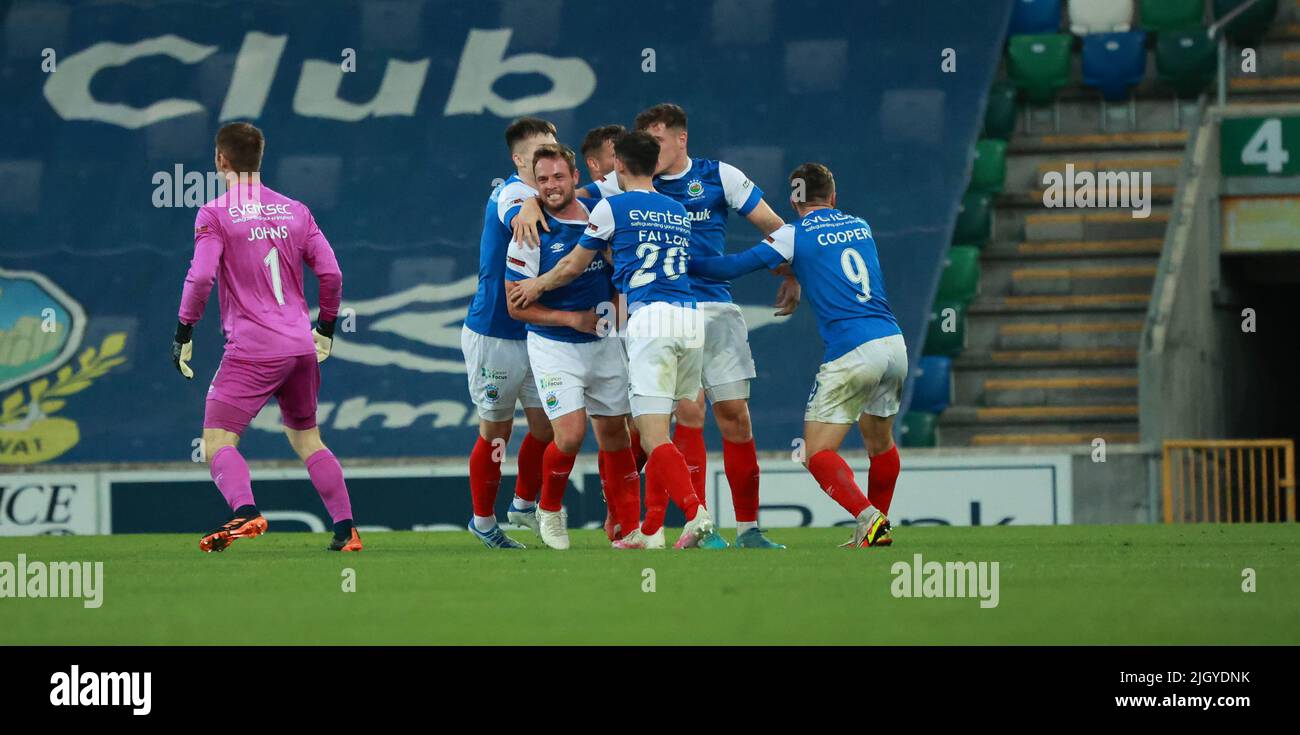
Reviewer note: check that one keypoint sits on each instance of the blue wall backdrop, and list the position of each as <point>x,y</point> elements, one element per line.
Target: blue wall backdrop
<point>102,103</point>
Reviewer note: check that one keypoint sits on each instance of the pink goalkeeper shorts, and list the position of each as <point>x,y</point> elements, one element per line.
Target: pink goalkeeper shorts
<point>241,387</point>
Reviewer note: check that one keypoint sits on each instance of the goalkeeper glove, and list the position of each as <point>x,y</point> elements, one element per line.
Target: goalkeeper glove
<point>323,336</point>
<point>183,349</point>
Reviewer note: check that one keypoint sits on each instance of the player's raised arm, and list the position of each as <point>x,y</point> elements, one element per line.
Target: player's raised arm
<point>208,246</point>
<point>319,256</point>
<point>745,197</point>
<point>775,250</point>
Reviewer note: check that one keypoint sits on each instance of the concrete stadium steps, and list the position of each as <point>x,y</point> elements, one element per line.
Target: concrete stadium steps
<point>1025,172</point>
<point>1089,139</point>
<point>1039,278</point>
<point>1041,425</point>
<point>1083,111</point>
<point>1067,330</point>
<point>1064,250</point>
<point>1047,387</point>
<point>1080,224</point>
<point>1118,434</point>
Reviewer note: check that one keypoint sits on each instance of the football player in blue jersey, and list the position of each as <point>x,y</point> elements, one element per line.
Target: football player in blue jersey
<point>710,190</point>
<point>496,356</point>
<point>833,254</point>
<point>578,371</point>
<point>648,237</point>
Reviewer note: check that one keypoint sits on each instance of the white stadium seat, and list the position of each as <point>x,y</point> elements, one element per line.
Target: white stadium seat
<point>1100,16</point>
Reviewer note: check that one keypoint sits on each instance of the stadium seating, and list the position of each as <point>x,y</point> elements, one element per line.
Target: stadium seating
<point>917,429</point>
<point>1035,16</point>
<point>946,343</point>
<point>1249,27</point>
<point>1039,65</point>
<point>974,220</point>
<point>961,275</point>
<point>1000,114</point>
<point>1100,16</point>
<point>1186,61</point>
<point>1172,15</point>
<point>1113,62</point>
<point>989,172</point>
<point>932,391</point>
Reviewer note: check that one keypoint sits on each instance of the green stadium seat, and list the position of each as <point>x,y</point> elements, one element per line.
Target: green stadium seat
<point>1172,15</point>
<point>1250,27</point>
<point>974,220</point>
<point>918,429</point>
<point>961,275</point>
<point>990,170</point>
<point>1000,115</point>
<point>1039,64</point>
<point>939,342</point>
<point>1186,61</point>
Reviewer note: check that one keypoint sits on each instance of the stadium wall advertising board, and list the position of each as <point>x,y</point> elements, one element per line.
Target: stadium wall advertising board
<point>107,143</point>
<point>53,504</point>
<point>965,491</point>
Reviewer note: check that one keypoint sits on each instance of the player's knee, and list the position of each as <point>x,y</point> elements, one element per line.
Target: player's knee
<point>214,440</point>
<point>733,420</point>
<point>690,413</point>
<point>490,430</point>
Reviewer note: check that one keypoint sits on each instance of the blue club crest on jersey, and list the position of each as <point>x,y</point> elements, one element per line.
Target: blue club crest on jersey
<point>695,189</point>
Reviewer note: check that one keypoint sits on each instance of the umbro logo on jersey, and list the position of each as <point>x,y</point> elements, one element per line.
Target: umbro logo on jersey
<point>557,247</point>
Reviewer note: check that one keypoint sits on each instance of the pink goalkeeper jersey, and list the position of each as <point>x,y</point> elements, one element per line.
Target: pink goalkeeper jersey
<point>254,242</point>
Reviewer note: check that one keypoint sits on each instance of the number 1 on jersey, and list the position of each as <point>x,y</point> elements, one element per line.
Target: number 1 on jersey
<point>855,269</point>
<point>272,259</point>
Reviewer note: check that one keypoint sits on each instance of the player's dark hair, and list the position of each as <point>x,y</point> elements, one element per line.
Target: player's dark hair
<point>242,144</point>
<point>818,182</point>
<point>672,116</point>
<point>525,128</point>
<point>596,137</point>
<point>639,152</point>
<point>555,150</point>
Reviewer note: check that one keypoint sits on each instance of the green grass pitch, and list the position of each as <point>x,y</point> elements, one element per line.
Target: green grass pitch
<point>1058,585</point>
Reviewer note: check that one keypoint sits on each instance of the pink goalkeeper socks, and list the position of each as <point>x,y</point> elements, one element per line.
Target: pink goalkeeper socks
<point>327,475</point>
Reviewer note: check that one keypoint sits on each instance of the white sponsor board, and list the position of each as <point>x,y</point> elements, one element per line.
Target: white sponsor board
<point>34,504</point>
<point>976,490</point>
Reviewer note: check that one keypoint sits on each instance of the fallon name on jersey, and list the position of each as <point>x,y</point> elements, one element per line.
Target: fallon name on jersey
<point>709,190</point>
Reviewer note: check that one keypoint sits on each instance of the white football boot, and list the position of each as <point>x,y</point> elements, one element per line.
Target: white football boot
<point>553,527</point>
<point>696,528</point>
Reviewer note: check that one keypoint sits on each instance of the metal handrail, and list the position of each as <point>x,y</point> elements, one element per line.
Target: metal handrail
<point>1216,29</point>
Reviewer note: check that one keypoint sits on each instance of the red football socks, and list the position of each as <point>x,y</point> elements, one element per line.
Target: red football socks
<point>740,462</point>
<point>881,479</point>
<point>835,477</point>
<point>690,442</point>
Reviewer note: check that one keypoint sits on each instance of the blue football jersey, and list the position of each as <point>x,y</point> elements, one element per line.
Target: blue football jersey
<point>587,291</point>
<point>650,237</point>
<point>709,190</point>
<point>834,257</point>
<point>488,314</point>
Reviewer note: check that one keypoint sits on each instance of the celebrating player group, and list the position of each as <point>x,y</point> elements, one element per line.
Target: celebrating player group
<point>609,303</point>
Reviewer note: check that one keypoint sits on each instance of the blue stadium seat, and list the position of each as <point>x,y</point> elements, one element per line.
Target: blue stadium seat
<point>1113,62</point>
<point>932,391</point>
<point>1035,16</point>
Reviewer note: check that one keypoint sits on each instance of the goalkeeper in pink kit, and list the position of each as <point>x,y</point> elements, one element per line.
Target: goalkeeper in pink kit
<point>254,242</point>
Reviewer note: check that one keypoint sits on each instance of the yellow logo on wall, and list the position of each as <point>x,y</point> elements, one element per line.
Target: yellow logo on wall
<point>41,329</point>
